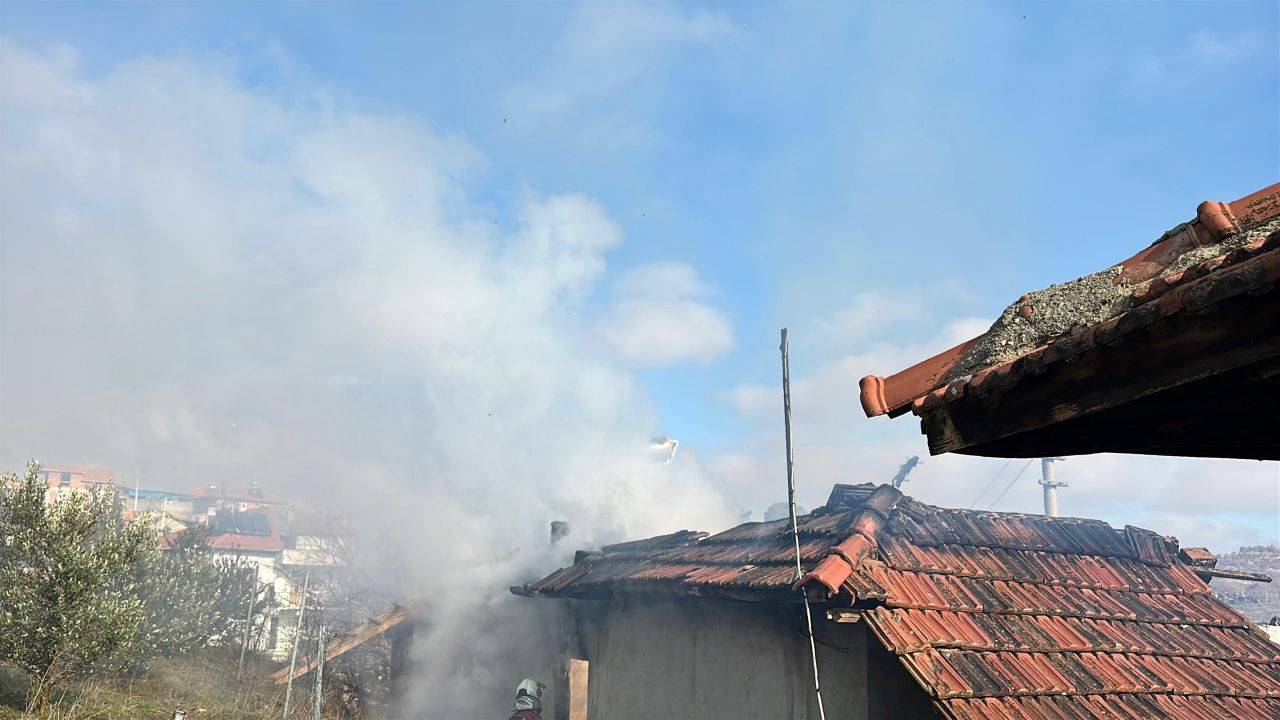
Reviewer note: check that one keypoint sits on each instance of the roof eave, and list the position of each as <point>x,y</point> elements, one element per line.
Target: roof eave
<point>894,394</point>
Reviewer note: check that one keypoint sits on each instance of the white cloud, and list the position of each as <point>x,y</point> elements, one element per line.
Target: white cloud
<point>600,65</point>
<point>660,319</point>
<point>829,394</point>
<point>663,279</point>
<point>1210,51</point>
<point>1202,53</point>
<point>1221,504</point>
<point>869,312</point>
<point>34,79</point>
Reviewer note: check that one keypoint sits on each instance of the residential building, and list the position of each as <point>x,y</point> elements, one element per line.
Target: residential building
<point>288,550</point>
<point>163,522</point>
<point>1259,602</point>
<point>253,538</point>
<point>918,611</point>
<point>242,498</point>
<point>65,480</point>
<point>177,505</point>
<point>281,545</point>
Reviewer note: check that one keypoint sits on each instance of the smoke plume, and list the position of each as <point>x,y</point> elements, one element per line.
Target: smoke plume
<point>212,275</point>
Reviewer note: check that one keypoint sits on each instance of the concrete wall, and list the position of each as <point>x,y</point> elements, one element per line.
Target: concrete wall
<point>717,659</point>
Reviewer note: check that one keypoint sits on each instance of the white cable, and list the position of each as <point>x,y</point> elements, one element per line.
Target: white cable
<point>795,526</point>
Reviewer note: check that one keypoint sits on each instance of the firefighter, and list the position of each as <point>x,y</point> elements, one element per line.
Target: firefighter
<point>528,705</point>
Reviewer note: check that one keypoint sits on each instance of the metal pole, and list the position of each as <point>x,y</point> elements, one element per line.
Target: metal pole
<point>248,622</point>
<point>297,632</point>
<point>1050,485</point>
<point>319,673</point>
<point>791,501</point>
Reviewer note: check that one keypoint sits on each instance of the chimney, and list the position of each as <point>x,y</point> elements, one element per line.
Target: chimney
<point>559,528</point>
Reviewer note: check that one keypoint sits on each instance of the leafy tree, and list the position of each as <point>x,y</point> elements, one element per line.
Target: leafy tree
<point>68,581</point>
<point>191,597</point>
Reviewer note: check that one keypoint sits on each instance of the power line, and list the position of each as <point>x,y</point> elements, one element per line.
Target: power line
<point>1011,482</point>
<point>993,482</point>
<point>795,528</point>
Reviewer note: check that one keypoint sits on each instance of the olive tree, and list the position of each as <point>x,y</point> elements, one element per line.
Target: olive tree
<point>69,577</point>
<point>192,598</point>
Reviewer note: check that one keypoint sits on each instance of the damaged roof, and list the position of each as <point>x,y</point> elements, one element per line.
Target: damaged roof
<point>994,614</point>
<point>1174,351</point>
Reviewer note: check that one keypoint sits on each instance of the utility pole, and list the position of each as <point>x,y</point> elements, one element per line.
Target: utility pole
<point>297,633</point>
<point>248,622</point>
<point>319,702</point>
<point>1050,485</point>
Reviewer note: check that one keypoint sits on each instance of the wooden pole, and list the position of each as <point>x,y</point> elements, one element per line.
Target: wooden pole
<point>297,633</point>
<point>576,672</point>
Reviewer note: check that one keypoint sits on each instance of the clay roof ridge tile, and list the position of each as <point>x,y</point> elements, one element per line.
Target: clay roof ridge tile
<point>1187,294</point>
<point>922,381</point>
<point>861,544</point>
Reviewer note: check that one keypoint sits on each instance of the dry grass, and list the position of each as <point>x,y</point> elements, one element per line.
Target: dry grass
<point>204,686</point>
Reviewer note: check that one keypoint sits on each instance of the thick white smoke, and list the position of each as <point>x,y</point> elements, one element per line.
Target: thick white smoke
<point>212,280</point>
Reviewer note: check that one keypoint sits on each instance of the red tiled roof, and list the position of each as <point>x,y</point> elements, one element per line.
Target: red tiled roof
<point>1246,274</point>
<point>241,494</point>
<point>246,543</point>
<point>235,542</point>
<point>994,614</point>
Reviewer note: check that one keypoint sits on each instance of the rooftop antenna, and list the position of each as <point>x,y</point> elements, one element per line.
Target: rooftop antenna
<point>904,470</point>
<point>795,526</point>
<point>1051,485</point>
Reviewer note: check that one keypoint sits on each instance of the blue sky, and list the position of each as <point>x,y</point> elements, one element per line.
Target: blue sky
<point>879,178</point>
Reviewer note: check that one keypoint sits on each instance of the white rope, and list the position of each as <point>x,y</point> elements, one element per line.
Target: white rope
<point>795,526</point>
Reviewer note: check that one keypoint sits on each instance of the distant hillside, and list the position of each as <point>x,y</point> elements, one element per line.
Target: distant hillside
<point>1258,601</point>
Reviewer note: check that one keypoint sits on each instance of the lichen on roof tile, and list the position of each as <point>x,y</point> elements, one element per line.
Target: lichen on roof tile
<point>1060,310</point>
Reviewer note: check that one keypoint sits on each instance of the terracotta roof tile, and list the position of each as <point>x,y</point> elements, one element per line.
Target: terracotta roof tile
<point>1159,289</point>
<point>236,542</point>
<point>1135,707</point>
<point>994,614</point>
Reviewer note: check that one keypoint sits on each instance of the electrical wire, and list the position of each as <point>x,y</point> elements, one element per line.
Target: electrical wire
<point>795,525</point>
<point>993,482</point>
<point>1011,482</point>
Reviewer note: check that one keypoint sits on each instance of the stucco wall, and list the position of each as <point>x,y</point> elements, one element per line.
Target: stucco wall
<point>717,659</point>
<point>892,692</point>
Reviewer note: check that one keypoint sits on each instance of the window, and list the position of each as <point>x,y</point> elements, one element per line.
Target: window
<point>64,479</point>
